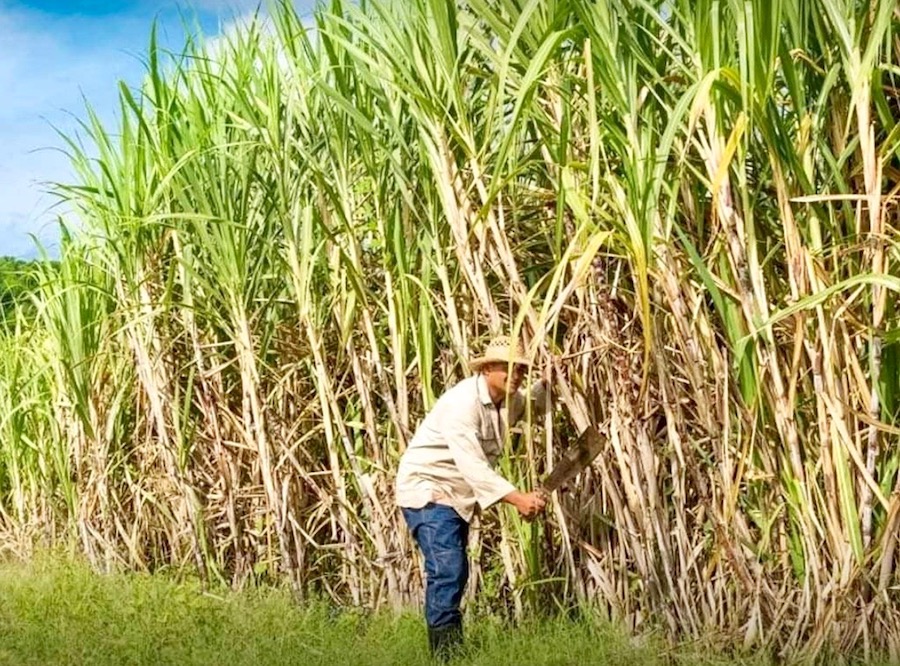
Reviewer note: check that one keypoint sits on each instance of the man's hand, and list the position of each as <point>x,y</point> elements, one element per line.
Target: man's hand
<point>547,374</point>
<point>527,504</point>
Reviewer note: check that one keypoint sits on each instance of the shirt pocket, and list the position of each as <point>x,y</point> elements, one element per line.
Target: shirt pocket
<point>487,438</point>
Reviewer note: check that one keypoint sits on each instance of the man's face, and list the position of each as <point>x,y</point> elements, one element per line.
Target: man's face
<point>503,379</point>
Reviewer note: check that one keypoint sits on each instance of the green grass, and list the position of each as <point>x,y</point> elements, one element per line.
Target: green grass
<point>55,612</point>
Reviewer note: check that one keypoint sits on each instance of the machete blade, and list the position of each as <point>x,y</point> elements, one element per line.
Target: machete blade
<point>575,459</point>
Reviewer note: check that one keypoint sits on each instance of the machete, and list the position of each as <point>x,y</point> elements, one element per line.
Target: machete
<point>575,460</point>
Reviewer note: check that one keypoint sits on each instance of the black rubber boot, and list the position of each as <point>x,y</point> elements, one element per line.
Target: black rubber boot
<point>445,641</point>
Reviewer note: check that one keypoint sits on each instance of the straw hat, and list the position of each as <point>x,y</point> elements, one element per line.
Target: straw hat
<point>501,350</point>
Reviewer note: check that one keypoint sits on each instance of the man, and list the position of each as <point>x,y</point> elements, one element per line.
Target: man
<point>447,471</point>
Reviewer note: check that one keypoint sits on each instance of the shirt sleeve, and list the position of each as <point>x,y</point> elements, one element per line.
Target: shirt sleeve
<point>460,428</point>
<point>539,396</point>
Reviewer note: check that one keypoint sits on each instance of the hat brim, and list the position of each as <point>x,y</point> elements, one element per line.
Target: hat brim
<point>479,363</point>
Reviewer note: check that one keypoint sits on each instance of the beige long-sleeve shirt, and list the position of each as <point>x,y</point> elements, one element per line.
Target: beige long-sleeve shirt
<point>451,456</point>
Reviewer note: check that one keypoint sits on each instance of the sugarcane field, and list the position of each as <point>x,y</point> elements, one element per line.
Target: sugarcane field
<point>471,332</point>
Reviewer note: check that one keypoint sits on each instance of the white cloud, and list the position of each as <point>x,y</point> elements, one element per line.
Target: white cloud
<point>49,64</point>
<point>226,7</point>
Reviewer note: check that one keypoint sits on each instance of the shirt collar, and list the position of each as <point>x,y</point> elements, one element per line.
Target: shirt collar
<point>481,388</point>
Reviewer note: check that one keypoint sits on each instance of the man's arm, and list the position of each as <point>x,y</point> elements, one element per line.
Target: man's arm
<point>460,426</point>
<point>489,486</point>
<point>538,396</point>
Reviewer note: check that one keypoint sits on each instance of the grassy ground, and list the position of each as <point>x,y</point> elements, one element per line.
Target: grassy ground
<point>60,613</point>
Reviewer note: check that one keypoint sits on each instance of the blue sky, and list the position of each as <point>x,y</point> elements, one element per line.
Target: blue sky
<point>53,55</point>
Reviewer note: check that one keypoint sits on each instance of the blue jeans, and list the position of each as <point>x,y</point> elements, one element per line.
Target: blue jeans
<point>442,537</point>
